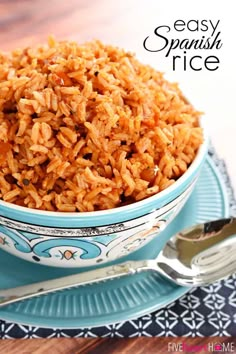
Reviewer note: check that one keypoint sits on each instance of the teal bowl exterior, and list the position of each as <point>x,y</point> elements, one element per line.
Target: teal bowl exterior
<point>85,239</point>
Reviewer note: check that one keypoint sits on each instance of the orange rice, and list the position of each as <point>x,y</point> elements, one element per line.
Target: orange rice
<point>88,127</point>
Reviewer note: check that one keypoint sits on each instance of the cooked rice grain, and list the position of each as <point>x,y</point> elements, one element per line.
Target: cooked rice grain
<point>89,127</point>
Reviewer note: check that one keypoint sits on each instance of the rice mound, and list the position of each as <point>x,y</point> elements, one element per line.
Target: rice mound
<point>88,127</point>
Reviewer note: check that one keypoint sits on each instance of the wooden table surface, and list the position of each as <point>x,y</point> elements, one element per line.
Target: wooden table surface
<point>114,346</point>
<point>28,22</point>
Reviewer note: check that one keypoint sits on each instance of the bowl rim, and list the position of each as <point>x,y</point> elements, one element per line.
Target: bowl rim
<point>201,153</point>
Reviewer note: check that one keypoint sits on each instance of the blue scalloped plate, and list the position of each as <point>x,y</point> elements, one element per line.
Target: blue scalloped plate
<point>118,300</point>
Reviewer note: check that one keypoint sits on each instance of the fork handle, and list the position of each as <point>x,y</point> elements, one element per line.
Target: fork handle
<point>8,296</point>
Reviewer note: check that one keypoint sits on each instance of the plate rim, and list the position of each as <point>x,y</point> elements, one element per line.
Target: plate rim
<point>130,314</point>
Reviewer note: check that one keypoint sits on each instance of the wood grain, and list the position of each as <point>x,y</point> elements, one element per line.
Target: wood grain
<point>28,22</point>
<point>107,346</point>
<point>123,22</point>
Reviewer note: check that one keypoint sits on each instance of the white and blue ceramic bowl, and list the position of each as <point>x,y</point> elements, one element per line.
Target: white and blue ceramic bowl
<point>85,239</point>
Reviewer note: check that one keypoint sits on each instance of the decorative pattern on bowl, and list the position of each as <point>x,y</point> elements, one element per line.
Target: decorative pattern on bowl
<point>85,246</point>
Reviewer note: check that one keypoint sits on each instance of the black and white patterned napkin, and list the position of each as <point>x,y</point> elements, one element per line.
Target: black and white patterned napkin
<point>205,311</point>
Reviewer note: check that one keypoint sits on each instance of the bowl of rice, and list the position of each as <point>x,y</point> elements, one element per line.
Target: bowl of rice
<point>98,153</point>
